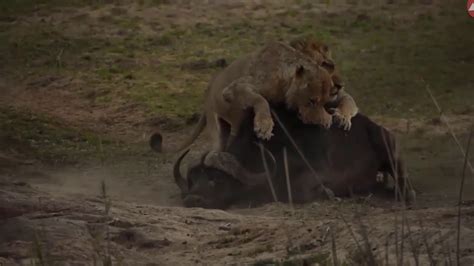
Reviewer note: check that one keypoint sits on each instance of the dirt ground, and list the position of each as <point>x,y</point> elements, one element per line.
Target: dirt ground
<point>76,230</point>
<point>83,84</point>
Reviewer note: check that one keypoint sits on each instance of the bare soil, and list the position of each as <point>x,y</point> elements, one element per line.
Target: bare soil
<point>77,229</point>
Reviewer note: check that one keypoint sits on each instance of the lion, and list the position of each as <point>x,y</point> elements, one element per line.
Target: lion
<point>343,107</point>
<point>276,74</point>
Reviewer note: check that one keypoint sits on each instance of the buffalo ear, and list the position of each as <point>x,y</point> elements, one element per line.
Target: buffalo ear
<point>300,71</point>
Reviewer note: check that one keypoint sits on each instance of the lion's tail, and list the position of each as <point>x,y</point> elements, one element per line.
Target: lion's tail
<point>156,140</point>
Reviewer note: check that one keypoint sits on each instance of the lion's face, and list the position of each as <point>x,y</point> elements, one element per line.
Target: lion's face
<point>321,55</point>
<point>310,90</point>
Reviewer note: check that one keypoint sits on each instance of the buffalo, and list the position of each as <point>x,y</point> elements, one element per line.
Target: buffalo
<point>341,162</point>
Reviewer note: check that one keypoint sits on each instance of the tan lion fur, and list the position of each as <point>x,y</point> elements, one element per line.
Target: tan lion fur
<point>275,74</point>
<point>345,106</point>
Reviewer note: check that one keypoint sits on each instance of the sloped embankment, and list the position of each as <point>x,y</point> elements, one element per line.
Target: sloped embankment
<point>41,227</point>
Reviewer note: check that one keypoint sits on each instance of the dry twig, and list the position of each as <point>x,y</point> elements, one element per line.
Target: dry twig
<point>327,191</point>
<point>267,171</point>
<point>287,174</point>
<point>335,261</point>
<point>461,189</point>
<point>450,128</point>
<point>429,251</point>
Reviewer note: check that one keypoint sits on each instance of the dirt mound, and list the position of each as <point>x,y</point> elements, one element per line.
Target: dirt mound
<point>37,226</point>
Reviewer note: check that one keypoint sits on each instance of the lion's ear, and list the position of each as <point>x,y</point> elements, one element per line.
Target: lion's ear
<point>300,71</point>
<point>325,49</point>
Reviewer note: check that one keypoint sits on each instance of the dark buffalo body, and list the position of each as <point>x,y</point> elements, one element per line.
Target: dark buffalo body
<point>345,161</point>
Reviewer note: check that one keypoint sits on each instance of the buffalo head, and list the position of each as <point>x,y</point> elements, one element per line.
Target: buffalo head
<point>217,179</point>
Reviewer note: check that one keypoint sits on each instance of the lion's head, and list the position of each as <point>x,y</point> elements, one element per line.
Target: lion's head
<point>321,54</point>
<point>309,91</point>
<point>316,50</point>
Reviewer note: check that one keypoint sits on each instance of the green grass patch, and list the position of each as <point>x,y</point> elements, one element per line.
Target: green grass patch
<point>43,138</point>
<point>21,7</point>
<point>382,58</point>
<point>387,66</point>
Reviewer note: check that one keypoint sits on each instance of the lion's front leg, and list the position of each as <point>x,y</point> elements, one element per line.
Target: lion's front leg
<point>241,94</point>
<point>263,122</point>
<point>345,110</point>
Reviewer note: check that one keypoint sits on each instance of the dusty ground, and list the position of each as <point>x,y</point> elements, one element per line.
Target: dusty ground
<point>81,86</point>
<point>77,229</point>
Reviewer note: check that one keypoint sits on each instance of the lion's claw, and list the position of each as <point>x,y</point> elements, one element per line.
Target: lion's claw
<point>327,124</point>
<point>325,121</point>
<point>344,121</point>
<point>263,127</point>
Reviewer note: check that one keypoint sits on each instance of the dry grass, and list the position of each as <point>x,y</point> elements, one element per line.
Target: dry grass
<point>450,129</point>
<point>329,194</point>
<point>267,171</point>
<point>461,190</point>
<point>402,228</point>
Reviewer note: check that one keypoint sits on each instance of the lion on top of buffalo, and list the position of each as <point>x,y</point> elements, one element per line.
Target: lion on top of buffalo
<point>275,74</point>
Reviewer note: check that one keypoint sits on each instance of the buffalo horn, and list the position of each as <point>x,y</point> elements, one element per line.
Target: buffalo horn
<point>178,178</point>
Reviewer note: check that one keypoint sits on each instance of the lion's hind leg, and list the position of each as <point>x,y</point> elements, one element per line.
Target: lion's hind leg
<point>227,134</point>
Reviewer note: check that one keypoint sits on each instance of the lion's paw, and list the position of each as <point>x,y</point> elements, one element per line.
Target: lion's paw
<point>263,127</point>
<point>344,121</point>
<point>326,121</point>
